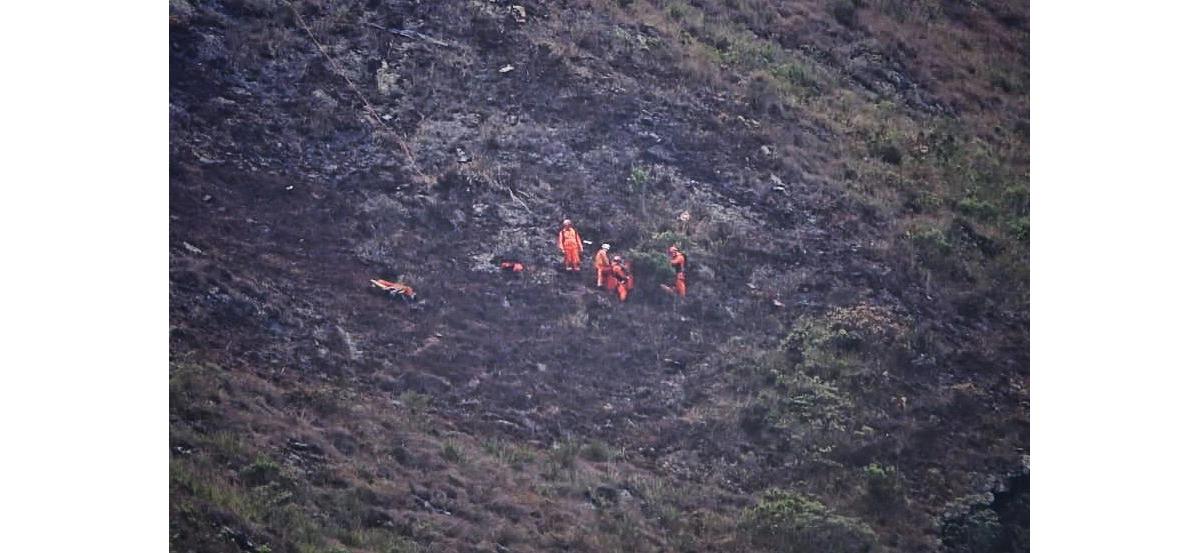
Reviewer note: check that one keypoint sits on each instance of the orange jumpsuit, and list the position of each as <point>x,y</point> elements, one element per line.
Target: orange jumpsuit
<point>679,263</point>
<point>602,266</point>
<point>623,279</point>
<point>570,244</point>
<point>610,279</point>
<point>395,288</point>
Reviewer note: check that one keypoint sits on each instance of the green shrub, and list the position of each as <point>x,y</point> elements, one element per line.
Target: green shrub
<point>261,472</point>
<point>650,268</point>
<point>978,531</point>
<point>661,240</point>
<point>845,12</point>
<point>597,452</point>
<point>324,401</point>
<point>678,10</point>
<point>451,452</point>
<point>888,153</point>
<point>813,400</point>
<point>883,486</point>
<point>900,10</point>
<point>883,145</point>
<point>650,263</point>
<point>639,177</point>
<point>639,183</point>
<point>796,74</point>
<point>923,201</point>
<point>790,523</point>
<point>1019,228</point>
<point>846,340</point>
<point>931,241</point>
<point>416,402</point>
<point>766,94</point>
<point>747,51</point>
<point>563,453</point>
<point>754,417</point>
<point>950,250</point>
<point>980,209</point>
<point>1016,199</point>
<point>513,455</point>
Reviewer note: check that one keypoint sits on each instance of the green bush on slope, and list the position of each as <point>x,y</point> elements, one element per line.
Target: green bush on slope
<point>790,523</point>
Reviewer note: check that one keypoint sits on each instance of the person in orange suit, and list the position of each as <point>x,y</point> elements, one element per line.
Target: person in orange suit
<point>571,245</point>
<point>622,276</point>
<point>679,263</point>
<point>395,288</point>
<point>602,264</point>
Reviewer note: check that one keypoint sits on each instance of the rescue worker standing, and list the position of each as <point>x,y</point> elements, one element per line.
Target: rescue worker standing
<point>603,266</point>
<point>679,263</point>
<point>571,245</point>
<point>622,276</point>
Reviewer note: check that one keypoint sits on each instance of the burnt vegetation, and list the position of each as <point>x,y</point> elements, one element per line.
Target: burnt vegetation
<point>849,371</point>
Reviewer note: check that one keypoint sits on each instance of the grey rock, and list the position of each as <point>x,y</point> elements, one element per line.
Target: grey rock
<point>192,249</point>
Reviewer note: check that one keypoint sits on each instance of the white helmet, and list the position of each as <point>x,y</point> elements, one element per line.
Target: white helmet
<point>604,246</point>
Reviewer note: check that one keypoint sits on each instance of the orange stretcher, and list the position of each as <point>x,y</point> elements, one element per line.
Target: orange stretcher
<point>394,288</point>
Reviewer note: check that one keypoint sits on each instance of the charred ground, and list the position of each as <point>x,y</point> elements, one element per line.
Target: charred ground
<point>849,371</point>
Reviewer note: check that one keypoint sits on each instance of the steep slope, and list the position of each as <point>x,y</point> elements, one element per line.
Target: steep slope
<point>856,330</point>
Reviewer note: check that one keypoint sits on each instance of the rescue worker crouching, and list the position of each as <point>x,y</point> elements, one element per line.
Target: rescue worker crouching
<point>395,288</point>
<point>570,244</point>
<point>622,277</point>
